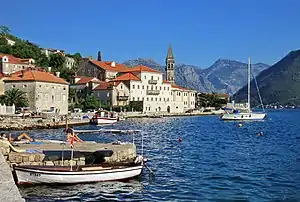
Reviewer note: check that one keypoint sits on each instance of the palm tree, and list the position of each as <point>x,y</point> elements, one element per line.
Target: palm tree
<point>14,96</point>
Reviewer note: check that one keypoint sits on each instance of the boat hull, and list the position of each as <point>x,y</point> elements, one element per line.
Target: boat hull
<point>102,120</point>
<point>244,116</point>
<point>34,175</point>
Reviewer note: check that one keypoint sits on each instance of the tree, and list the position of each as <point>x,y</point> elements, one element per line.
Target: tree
<point>42,61</point>
<point>14,96</point>
<point>72,94</point>
<point>57,62</point>
<point>90,102</point>
<point>4,30</point>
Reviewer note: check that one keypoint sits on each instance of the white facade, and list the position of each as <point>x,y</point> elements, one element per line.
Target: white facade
<point>159,96</point>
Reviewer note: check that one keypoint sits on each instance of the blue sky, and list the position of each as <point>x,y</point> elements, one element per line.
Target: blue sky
<point>200,31</point>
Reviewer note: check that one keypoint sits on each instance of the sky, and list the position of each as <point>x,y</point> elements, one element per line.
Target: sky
<point>200,31</point>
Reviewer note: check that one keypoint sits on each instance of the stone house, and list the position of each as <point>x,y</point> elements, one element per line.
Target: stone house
<point>10,64</point>
<point>45,91</point>
<point>50,51</point>
<point>69,62</point>
<point>103,70</point>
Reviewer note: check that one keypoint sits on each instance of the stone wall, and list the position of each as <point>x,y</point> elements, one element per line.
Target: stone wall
<point>15,158</point>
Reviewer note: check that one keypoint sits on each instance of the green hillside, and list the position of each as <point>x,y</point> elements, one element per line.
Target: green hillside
<point>279,84</point>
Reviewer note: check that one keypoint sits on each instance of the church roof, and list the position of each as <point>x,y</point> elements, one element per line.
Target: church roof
<point>170,53</point>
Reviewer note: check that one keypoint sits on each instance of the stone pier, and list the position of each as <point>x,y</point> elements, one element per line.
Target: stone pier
<point>8,188</point>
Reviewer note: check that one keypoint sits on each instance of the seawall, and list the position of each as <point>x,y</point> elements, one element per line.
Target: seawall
<point>8,188</point>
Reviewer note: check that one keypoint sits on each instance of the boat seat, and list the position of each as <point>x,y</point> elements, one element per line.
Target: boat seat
<point>95,168</point>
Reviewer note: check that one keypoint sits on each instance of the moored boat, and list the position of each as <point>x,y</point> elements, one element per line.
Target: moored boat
<point>81,173</point>
<point>32,174</point>
<point>104,117</point>
<point>248,114</point>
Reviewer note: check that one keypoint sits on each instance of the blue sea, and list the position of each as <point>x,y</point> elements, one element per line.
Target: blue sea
<point>215,161</point>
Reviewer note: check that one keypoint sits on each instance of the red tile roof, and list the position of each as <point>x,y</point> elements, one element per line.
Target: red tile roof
<point>103,86</point>
<point>127,77</point>
<point>108,67</point>
<point>35,75</point>
<point>14,60</point>
<point>141,68</point>
<point>85,80</point>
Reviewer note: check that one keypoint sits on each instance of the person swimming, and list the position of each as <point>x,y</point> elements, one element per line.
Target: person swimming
<point>260,134</point>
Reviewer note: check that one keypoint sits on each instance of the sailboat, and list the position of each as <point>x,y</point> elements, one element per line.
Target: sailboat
<point>248,114</point>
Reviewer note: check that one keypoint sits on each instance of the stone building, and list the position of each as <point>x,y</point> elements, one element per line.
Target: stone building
<point>10,64</point>
<point>45,91</point>
<point>50,51</point>
<point>122,85</point>
<point>103,70</point>
<point>69,62</point>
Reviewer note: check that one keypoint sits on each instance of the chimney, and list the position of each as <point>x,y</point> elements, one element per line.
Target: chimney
<point>49,69</point>
<point>99,56</point>
<point>57,74</point>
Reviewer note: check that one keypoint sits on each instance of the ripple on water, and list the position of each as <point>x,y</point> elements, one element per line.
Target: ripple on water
<point>216,161</point>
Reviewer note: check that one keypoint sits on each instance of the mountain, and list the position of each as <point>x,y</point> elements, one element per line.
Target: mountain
<point>224,76</point>
<point>228,76</point>
<point>279,84</point>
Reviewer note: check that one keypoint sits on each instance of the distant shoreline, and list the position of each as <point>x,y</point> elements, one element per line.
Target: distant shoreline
<point>31,124</point>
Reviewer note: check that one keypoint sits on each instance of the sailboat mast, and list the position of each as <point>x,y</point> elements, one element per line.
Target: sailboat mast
<point>249,80</point>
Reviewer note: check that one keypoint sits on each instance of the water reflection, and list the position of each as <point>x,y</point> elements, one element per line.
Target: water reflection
<point>83,192</point>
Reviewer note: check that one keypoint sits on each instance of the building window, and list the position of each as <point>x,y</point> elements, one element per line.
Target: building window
<point>151,77</point>
<point>24,86</point>
<point>138,99</point>
<point>132,98</point>
<point>52,98</point>
<point>160,88</point>
<point>121,86</point>
<point>138,87</point>
<point>152,99</point>
<point>156,99</point>
<point>147,99</point>
<point>168,99</point>
<point>147,87</point>
<point>143,87</point>
<point>168,88</point>
<point>13,86</point>
<point>164,99</point>
<point>145,77</point>
<point>160,99</point>
<point>158,78</point>
<point>132,86</point>
<point>64,88</point>
<point>164,88</point>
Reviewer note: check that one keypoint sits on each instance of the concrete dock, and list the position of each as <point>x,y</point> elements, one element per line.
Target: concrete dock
<point>8,188</point>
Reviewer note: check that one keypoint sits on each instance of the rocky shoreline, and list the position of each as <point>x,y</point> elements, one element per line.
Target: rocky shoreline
<point>13,124</point>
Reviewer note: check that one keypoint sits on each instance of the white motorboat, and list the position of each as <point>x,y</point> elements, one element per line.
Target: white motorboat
<point>33,174</point>
<point>104,117</point>
<point>248,114</point>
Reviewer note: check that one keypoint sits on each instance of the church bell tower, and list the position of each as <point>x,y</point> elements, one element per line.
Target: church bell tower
<point>170,66</point>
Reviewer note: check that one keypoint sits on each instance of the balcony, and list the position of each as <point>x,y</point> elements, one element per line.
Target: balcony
<point>152,92</point>
<point>123,97</point>
<point>152,82</point>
